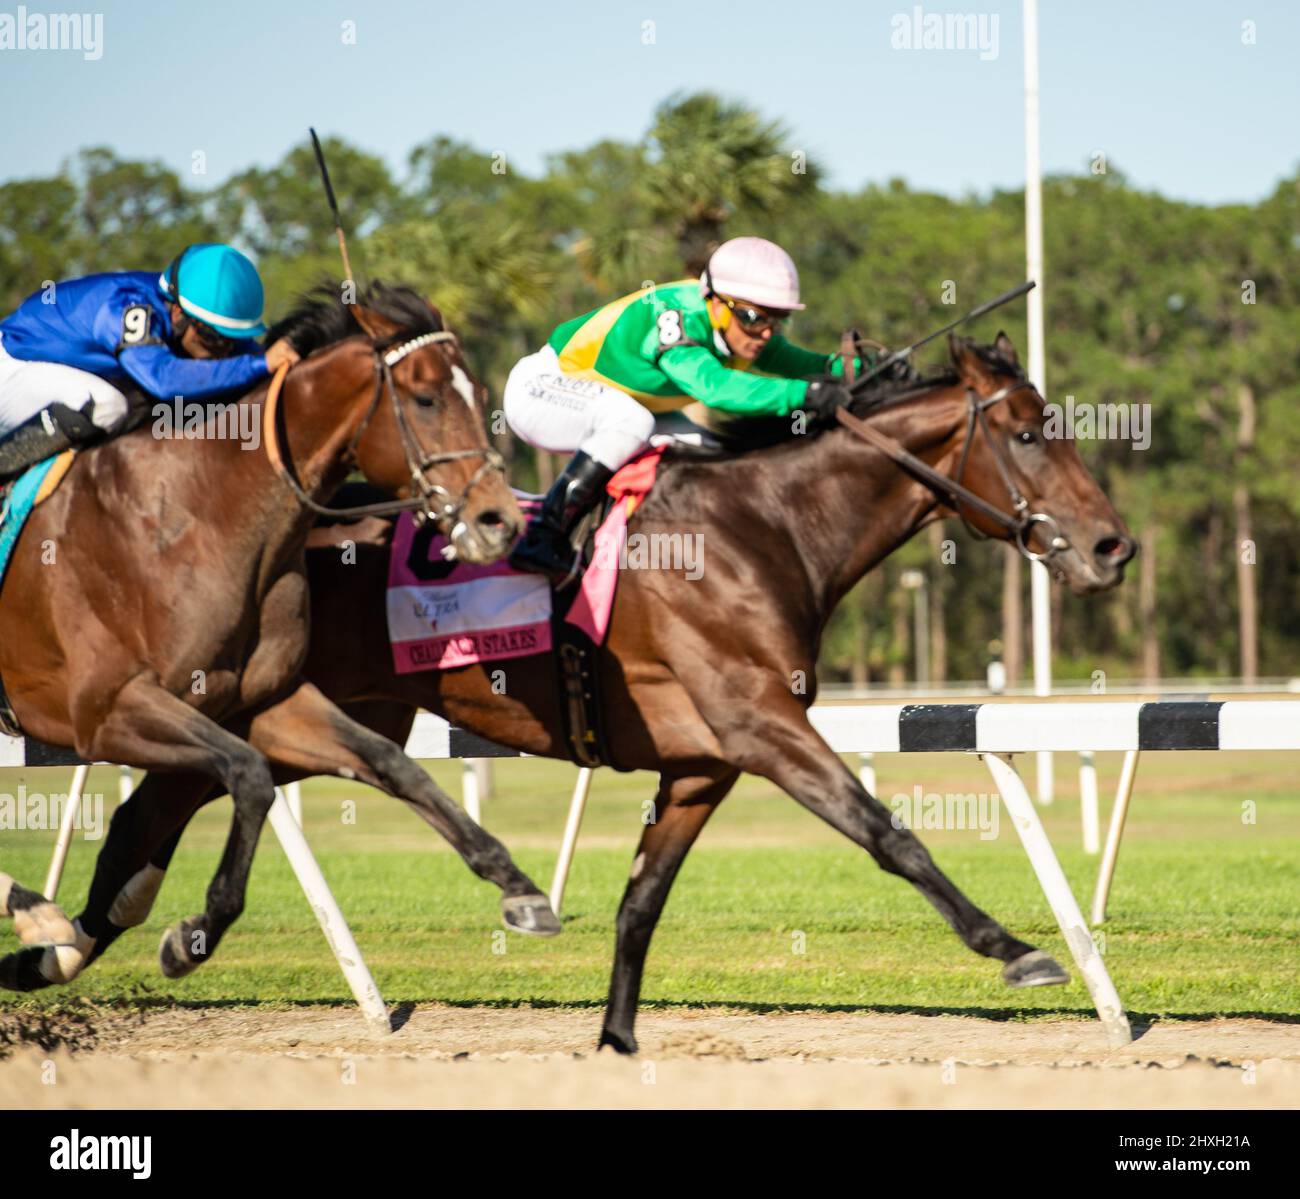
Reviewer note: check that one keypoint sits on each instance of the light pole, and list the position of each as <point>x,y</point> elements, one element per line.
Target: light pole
<point>1040,581</point>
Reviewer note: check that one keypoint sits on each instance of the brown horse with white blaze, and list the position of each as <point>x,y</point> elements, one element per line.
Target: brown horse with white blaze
<point>698,673</point>
<point>170,630</point>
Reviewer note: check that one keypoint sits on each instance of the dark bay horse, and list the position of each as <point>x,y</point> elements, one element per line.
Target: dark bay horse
<point>702,678</point>
<point>156,612</point>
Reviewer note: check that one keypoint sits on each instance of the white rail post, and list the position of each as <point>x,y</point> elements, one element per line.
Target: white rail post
<point>470,791</point>
<point>577,805</point>
<point>1057,890</point>
<point>1088,801</point>
<point>332,923</point>
<point>293,797</point>
<point>67,820</point>
<point>1118,816</point>
<point>867,772</point>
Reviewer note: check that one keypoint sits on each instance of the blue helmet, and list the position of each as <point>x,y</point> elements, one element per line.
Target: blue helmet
<point>217,285</point>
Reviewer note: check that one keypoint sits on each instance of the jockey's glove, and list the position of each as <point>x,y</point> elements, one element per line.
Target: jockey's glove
<point>825,395</point>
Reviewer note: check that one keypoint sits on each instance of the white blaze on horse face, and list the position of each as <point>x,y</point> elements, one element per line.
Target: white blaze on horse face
<point>460,381</point>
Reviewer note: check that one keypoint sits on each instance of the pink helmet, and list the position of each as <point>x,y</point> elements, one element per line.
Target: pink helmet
<point>753,269</point>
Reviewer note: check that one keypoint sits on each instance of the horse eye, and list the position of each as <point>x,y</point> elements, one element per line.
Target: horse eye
<point>1027,437</point>
<point>425,401</point>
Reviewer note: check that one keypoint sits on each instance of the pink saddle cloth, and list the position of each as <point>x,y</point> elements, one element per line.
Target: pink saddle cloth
<point>491,613</point>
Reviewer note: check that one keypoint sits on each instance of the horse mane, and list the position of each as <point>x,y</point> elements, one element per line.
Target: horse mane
<point>319,318</point>
<point>746,434</point>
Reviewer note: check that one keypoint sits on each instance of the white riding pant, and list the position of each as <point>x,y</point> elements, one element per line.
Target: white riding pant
<point>558,413</point>
<point>27,387</point>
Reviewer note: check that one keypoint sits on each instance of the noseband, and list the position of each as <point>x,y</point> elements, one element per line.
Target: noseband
<point>1020,524</point>
<point>431,500</point>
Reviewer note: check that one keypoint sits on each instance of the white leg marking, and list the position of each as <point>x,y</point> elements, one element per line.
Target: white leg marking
<point>44,924</point>
<point>62,963</point>
<point>135,899</point>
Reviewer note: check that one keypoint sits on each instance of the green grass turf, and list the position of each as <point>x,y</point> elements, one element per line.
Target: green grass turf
<point>1203,917</point>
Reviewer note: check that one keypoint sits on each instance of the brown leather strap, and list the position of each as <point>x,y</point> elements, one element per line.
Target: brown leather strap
<point>269,408</point>
<point>954,493</point>
<point>848,353</point>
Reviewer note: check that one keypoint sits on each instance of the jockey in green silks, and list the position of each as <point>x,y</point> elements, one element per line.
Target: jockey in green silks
<point>600,380</point>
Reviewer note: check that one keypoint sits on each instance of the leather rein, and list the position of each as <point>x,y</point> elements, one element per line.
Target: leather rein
<point>1019,524</point>
<point>431,500</point>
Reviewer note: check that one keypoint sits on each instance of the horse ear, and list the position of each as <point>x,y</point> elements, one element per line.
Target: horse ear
<point>375,326</point>
<point>1006,351</point>
<point>966,359</point>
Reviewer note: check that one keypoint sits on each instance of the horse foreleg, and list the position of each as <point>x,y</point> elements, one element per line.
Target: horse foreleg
<point>682,807</point>
<point>309,733</point>
<point>793,755</point>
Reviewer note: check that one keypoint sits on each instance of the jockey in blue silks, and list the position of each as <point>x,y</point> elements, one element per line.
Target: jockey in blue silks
<point>190,332</point>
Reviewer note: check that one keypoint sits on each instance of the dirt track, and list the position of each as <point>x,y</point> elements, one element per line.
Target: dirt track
<point>523,1057</point>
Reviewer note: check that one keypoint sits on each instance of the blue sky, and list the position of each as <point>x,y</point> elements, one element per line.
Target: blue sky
<point>1165,88</point>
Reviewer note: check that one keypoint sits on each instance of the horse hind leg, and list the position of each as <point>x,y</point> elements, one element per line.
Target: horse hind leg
<point>307,732</point>
<point>150,727</point>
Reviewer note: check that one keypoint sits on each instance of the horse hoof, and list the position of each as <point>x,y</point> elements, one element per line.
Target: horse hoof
<point>21,971</point>
<point>530,914</point>
<point>625,1046</point>
<point>1034,969</point>
<point>44,924</point>
<point>173,953</point>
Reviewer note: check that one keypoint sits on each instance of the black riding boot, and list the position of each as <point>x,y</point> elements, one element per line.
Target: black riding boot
<point>49,432</point>
<point>545,547</point>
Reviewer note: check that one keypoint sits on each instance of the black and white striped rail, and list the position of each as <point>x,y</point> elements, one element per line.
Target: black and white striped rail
<point>927,728</point>
<point>992,728</point>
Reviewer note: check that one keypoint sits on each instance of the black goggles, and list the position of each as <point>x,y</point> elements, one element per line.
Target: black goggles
<point>752,319</point>
<point>216,344</point>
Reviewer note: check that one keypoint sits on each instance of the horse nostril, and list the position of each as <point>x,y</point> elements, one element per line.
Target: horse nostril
<point>495,525</point>
<point>1115,550</point>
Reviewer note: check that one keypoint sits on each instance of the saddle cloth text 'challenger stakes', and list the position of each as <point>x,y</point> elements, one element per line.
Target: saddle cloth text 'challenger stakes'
<point>447,614</point>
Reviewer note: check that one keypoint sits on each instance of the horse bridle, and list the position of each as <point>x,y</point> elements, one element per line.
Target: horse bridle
<point>431,500</point>
<point>1019,524</point>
